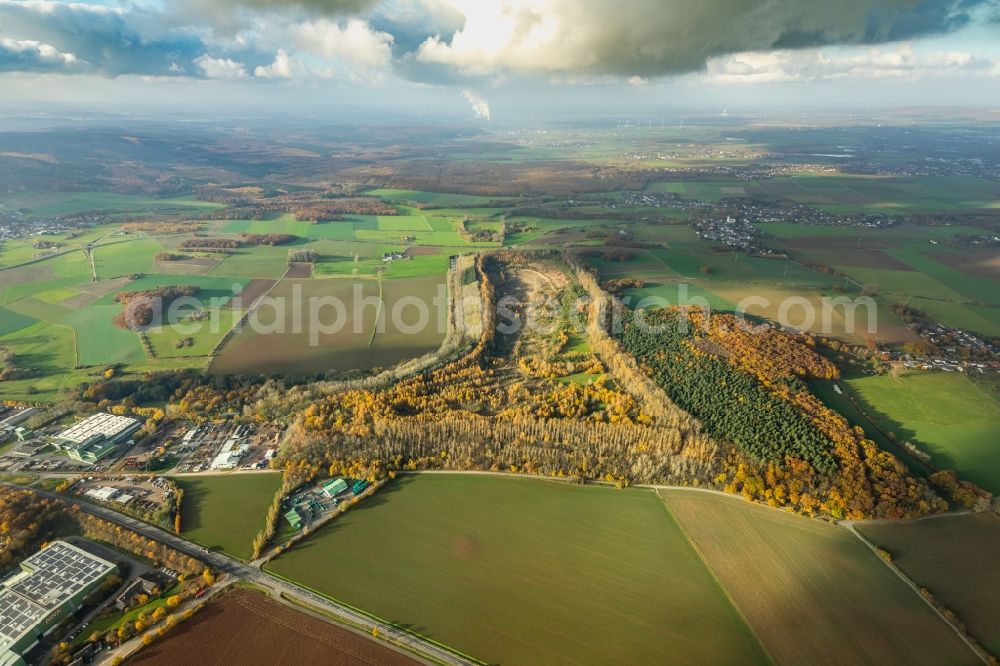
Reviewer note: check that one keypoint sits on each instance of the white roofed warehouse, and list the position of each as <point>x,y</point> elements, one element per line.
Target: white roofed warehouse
<point>97,436</point>
<point>52,584</point>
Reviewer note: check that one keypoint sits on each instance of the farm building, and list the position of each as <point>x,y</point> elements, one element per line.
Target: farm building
<point>334,487</point>
<point>96,437</point>
<point>52,584</point>
<point>294,518</point>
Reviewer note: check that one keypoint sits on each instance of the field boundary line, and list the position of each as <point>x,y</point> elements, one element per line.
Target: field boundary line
<point>398,646</point>
<point>378,313</point>
<point>715,578</point>
<point>979,651</point>
<point>238,322</point>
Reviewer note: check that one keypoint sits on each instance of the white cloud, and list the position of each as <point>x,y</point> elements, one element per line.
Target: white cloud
<point>220,68</point>
<point>35,49</point>
<point>283,67</point>
<point>353,43</point>
<point>902,62</point>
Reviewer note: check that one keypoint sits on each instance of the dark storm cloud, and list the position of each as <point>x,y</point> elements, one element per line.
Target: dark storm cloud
<point>663,37</point>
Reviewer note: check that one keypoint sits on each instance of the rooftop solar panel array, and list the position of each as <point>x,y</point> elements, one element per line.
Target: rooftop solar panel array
<point>60,571</point>
<point>50,578</point>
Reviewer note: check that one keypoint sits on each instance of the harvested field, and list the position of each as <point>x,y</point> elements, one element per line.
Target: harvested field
<point>984,264</point>
<point>422,250</point>
<point>813,592</point>
<point>31,273</point>
<point>843,244</point>
<point>955,557</point>
<point>299,269</point>
<point>192,266</point>
<point>247,628</point>
<point>254,290</point>
<point>92,291</point>
<point>342,336</point>
<point>867,258</point>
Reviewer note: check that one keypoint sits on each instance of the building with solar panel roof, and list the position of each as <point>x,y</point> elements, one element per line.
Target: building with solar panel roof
<point>52,584</point>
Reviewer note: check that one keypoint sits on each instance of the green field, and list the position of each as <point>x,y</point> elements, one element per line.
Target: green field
<point>435,199</point>
<point>403,223</point>
<point>526,571</point>
<point>846,193</point>
<point>210,287</point>
<point>99,341</point>
<point>11,321</point>
<point>658,294</point>
<point>955,557</point>
<point>256,262</point>
<point>205,334</point>
<point>978,318</point>
<point>49,348</point>
<point>813,592</point>
<point>946,414</point>
<point>44,204</point>
<point>125,258</point>
<point>226,511</point>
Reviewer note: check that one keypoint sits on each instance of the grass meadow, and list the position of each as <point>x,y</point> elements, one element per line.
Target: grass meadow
<point>226,511</point>
<point>946,414</point>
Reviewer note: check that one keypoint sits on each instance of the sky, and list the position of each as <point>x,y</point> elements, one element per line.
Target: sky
<point>484,59</point>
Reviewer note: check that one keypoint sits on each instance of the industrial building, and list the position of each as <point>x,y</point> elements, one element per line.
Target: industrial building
<point>334,487</point>
<point>231,452</point>
<point>96,437</point>
<point>52,584</point>
<point>12,416</point>
<point>294,518</point>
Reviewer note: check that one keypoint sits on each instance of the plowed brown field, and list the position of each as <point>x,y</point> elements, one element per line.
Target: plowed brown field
<point>248,629</point>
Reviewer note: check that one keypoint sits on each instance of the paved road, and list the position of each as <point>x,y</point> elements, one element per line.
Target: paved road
<point>281,588</point>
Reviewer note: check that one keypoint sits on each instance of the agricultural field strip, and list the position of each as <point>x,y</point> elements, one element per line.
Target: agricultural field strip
<point>928,550</point>
<point>848,526</point>
<point>708,567</point>
<point>852,527</point>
